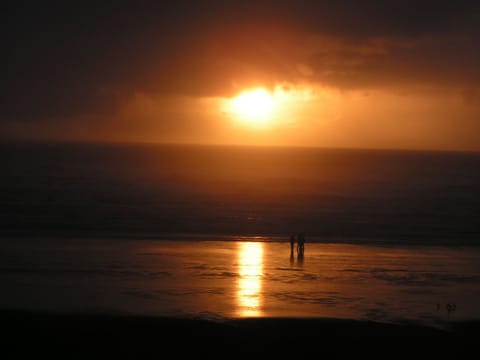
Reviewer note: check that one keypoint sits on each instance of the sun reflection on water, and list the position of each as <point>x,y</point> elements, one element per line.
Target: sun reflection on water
<point>250,269</point>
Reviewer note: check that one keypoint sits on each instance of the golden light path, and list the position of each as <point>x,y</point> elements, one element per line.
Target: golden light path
<point>250,264</point>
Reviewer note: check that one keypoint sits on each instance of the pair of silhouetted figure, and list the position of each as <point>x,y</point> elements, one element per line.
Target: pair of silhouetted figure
<point>300,244</point>
<point>449,307</point>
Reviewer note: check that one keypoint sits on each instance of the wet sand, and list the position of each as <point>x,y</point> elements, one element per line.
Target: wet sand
<point>218,280</point>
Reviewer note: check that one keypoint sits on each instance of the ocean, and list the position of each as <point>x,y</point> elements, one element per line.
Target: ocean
<point>165,191</point>
<point>202,231</point>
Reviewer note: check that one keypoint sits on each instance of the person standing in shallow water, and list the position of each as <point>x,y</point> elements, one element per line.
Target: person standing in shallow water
<point>301,244</point>
<point>292,244</point>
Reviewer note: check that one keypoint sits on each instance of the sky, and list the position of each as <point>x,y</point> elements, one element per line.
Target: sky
<point>368,74</point>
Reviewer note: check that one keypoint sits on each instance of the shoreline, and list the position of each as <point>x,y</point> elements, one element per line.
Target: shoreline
<point>271,238</point>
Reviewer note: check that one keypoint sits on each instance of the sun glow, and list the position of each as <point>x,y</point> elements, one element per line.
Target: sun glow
<point>262,109</point>
<point>253,106</point>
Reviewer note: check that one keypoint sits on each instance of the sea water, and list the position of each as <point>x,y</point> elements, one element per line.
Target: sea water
<point>203,231</point>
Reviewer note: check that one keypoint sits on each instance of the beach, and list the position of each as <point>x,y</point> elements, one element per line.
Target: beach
<point>98,298</point>
<point>224,280</point>
<point>140,247</point>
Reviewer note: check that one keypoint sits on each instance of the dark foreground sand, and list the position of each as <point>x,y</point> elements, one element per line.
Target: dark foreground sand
<point>29,334</point>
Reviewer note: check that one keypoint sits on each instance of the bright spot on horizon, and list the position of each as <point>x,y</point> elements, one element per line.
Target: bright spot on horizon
<point>253,107</point>
<point>262,109</point>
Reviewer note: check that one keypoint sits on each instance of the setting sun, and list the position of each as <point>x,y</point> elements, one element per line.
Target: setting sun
<point>254,107</point>
<point>280,107</point>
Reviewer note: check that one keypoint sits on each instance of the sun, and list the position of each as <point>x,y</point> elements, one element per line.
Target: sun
<point>264,109</point>
<point>254,107</point>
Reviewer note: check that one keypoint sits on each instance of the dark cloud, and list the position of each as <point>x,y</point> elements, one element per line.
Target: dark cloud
<point>431,61</point>
<point>66,60</point>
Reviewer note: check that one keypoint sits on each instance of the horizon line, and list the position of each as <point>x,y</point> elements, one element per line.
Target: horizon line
<point>179,143</point>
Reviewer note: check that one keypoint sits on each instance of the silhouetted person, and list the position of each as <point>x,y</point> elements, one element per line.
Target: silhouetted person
<point>301,244</point>
<point>292,244</point>
<point>450,308</point>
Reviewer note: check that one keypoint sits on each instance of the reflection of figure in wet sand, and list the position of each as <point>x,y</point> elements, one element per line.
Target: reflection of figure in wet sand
<point>300,259</point>
<point>301,244</point>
